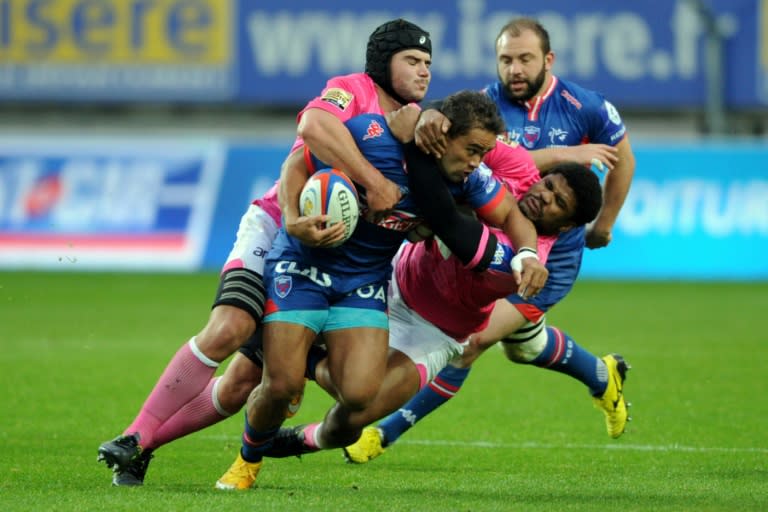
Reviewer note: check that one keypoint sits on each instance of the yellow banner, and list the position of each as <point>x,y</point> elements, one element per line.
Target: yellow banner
<point>194,32</point>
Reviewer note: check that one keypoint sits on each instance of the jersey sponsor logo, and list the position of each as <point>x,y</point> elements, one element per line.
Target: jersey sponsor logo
<point>312,273</point>
<point>372,292</point>
<point>557,136</point>
<point>338,98</point>
<point>531,136</point>
<point>374,130</point>
<point>283,286</point>
<point>399,220</point>
<point>570,99</point>
<point>613,114</point>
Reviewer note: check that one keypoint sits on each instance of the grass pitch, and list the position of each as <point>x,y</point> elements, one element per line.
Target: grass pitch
<point>80,351</point>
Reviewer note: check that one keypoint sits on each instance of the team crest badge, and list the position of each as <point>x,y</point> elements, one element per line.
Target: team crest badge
<point>283,286</point>
<point>531,136</point>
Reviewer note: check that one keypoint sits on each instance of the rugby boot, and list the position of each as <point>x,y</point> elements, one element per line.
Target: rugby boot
<point>240,476</point>
<point>134,473</point>
<point>120,451</point>
<point>289,442</point>
<point>612,402</point>
<point>368,447</point>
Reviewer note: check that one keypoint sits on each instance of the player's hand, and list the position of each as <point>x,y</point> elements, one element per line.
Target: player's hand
<point>598,237</point>
<point>430,132</point>
<point>402,122</point>
<point>382,200</point>
<point>313,232</point>
<point>601,156</point>
<point>531,278</point>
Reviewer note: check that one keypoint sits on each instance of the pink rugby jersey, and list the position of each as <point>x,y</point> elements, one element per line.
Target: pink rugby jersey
<point>454,298</point>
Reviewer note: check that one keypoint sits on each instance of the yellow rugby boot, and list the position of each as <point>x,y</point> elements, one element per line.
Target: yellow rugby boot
<point>367,448</point>
<point>612,402</point>
<point>240,476</point>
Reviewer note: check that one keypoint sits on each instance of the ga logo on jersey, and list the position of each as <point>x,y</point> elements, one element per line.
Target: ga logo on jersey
<point>531,136</point>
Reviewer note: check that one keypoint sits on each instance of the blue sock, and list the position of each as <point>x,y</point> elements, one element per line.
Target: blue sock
<point>442,388</point>
<point>564,355</point>
<point>255,443</point>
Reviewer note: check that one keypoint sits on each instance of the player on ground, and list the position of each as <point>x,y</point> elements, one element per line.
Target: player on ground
<point>556,120</point>
<point>188,397</point>
<point>341,292</point>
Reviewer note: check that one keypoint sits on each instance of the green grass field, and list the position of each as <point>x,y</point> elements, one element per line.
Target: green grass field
<point>79,352</point>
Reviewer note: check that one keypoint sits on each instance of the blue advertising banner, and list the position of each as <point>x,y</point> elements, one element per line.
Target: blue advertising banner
<point>90,203</point>
<point>117,49</point>
<point>693,212</point>
<point>639,54</point>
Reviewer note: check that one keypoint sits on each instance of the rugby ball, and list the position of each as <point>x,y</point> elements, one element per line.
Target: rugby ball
<point>331,192</point>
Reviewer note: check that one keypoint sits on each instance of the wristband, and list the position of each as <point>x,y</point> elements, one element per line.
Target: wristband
<point>517,260</point>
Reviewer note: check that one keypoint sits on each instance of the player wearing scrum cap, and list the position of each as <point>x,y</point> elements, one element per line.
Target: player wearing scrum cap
<point>187,396</point>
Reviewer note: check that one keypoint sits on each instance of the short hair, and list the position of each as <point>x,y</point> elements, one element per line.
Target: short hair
<point>516,26</point>
<point>471,109</point>
<point>586,189</point>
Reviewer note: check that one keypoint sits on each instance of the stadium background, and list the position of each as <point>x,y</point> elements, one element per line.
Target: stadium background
<point>133,134</point>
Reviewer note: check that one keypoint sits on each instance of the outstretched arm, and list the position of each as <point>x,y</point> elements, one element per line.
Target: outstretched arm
<point>466,237</point>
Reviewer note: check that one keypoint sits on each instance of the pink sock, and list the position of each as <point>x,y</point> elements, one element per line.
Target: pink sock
<point>200,412</point>
<point>311,435</point>
<point>184,378</point>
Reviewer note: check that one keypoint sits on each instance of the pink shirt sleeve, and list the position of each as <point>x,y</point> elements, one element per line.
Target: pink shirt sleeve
<point>514,166</point>
<point>345,97</point>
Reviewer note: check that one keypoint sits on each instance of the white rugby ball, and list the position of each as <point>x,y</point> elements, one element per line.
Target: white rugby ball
<point>331,192</point>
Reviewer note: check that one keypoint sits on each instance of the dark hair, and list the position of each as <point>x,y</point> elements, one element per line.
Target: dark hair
<point>471,109</point>
<point>516,26</point>
<point>586,189</point>
<point>388,39</point>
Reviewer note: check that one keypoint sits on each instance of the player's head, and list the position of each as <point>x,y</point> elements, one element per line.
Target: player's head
<point>567,196</point>
<point>523,58</point>
<point>475,123</point>
<point>398,57</point>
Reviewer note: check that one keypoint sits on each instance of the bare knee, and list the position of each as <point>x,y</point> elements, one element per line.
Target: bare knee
<point>241,376</point>
<point>227,329</point>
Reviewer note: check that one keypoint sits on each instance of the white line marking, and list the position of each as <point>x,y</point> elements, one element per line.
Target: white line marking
<point>532,445</point>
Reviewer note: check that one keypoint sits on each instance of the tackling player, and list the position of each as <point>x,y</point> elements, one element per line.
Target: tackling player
<point>556,120</point>
<point>187,396</point>
<point>341,292</point>
<point>436,300</point>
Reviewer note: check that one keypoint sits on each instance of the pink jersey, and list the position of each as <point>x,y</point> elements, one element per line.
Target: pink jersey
<point>344,97</point>
<point>454,298</point>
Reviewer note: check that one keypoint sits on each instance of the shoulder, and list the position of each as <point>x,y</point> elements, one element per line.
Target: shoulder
<point>580,97</point>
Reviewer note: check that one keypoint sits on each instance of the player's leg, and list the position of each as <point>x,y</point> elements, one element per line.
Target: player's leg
<point>437,358</point>
<point>188,376</point>
<point>299,311</point>
<point>550,348</point>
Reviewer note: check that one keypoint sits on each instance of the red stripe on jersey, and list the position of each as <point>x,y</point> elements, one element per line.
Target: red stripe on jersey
<point>532,313</point>
<point>308,160</point>
<point>535,108</point>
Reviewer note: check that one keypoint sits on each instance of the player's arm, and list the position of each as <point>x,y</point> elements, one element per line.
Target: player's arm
<point>310,231</point>
<point>585,154</point>
<point>615,190</point>
<point>330,141</point>
<point>530,273</point>
<point>466,237</point>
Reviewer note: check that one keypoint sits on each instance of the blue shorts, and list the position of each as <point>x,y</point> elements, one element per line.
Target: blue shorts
<point>320,300</point>
<point>563,263</point>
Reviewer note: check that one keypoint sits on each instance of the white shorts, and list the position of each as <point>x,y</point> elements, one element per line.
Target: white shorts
<point>428,347</point>
<point>254,239</point>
